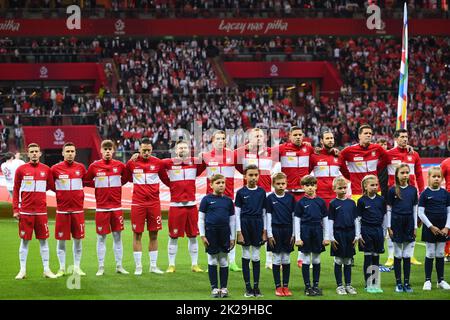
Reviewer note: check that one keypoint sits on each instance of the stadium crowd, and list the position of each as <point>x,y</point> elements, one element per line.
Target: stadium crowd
<point>165,85</point>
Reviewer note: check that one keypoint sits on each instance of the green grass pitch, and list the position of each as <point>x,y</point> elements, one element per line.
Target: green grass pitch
<point>178,286</point>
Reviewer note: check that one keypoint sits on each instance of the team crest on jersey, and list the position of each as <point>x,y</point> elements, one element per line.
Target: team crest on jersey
<point>42,174</point>
<point>152,167</point>
<point>77,173</point>
<point>60,234</point>
<point>115,170</point>
<point>374,153</point>
<point>409,158</point>
<point>335,160</point>
<point>304,149</point>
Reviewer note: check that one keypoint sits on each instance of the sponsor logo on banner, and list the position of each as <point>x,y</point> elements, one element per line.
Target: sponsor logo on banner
<point>9,25</point>
<point>59,137</point>
<point>274,71</point>
<point>119,27</point>
<point>43,72</point>
<point>257,27</point>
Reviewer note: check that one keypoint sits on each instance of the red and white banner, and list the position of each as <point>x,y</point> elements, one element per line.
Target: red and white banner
<point>217,27</point>
<point>54,71</point>
<point>54,137</point>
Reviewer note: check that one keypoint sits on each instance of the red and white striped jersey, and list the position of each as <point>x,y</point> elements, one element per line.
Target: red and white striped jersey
<point>182,175</point>
<point>69,186</point>
<point>397,156</point>
<point>108,177</point>
<point>30,185</point>
<point>295,163</point>
<point>357,162</point>
<point>220,162</point>
<point>445,167</point>
<point>325,167</point>
<point>262,158</point>
<point>146,174</point>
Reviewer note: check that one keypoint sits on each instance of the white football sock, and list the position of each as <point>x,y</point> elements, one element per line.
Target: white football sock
<point>172,250</point>
<point>137,258</point>
<point>232,255</point>
<point>193,250</point>
<point>117,247</point>
<point>390,246</point>
<point>23,254</point>
<point>77,251</point>
<point>101,249</point>
<point>153,258</point>
<point>61,253</point>
<point>45,255</point>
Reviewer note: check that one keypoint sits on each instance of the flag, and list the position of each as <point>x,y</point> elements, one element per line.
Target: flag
<point>403,84</point>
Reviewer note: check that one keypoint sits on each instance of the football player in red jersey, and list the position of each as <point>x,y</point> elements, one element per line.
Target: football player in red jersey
<point>68,176</point>
<point>183,214</point>
<point>108,176</point>
<point>220,161</point>
<point>145,173</point>
<point>31,182</point>
<point>445,168</point>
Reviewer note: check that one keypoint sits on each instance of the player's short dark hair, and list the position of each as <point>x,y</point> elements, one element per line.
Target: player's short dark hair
<point>309,180</point>
<point>146,141</point>
<point>216,177</point>
<point>33,145</point>
<point>68,144</point>
<point>294,128</point>
<point>364,126</point>
<point>251,167</point>
<point>106,144</point>
<point>399,131</point>
<point>325,130</point>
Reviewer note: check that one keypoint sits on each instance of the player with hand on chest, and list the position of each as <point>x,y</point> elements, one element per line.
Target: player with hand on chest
<point>183,214</point>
